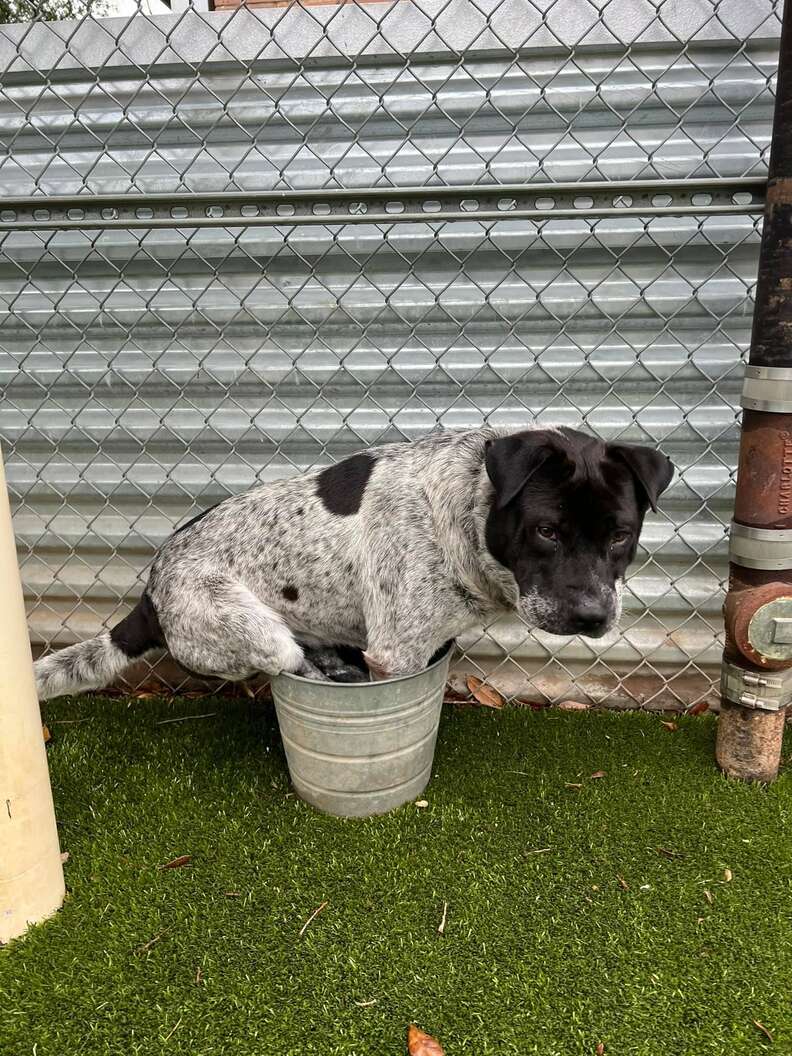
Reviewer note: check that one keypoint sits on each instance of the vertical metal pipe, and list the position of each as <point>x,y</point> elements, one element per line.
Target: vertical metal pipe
<point>749,740</point>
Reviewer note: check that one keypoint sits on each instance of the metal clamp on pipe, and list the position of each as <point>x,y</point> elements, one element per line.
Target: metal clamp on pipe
<point>767,389</point>
<point>759,690</point>
<point>766,548</point>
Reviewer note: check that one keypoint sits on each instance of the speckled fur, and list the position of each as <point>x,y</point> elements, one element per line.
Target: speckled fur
<point>250,584</point>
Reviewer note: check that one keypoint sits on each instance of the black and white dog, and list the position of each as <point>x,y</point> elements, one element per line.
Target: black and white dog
<point>394,551</point>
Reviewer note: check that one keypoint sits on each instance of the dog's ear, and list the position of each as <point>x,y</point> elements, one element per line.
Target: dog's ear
<point>512,460</point>
<point>651,469</point>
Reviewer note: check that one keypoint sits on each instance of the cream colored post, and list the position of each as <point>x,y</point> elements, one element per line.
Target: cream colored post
<point>31,874</point>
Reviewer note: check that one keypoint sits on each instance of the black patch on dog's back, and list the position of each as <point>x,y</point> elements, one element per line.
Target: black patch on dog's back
<point>290,593</point>
<point>341,487</point>
<point>139,631</point>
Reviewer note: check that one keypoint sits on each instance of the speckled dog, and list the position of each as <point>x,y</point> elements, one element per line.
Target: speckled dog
<point>393,551</point>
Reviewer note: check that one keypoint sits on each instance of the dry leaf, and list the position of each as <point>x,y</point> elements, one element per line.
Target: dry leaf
<point>573,705</point>
<point>45,733</point>
<point>727,875</point>
<point>177,863</point>
<point>569,784</point>
<point>596,774</point>
<point>666,853</point>
<point>671,726</point>
<point>422,803</point>
<point>198,976</point>
<point>64,857</point>
<point>763,1029</point>
<point>622,883</point>
<point>483,693</point>
<point>600,1049</point>
<point>699,709</point>
<point>420,1044</point>
<point>708,895</point>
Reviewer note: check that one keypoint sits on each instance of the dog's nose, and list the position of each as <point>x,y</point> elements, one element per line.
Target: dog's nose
<point>590,618</point>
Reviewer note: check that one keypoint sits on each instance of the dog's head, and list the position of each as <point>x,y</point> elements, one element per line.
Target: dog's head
<point>565,518</point>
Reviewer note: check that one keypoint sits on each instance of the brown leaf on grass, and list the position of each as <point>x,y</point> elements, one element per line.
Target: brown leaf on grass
<point>600,1049</point>
<point>596,774</point>
<point>763,1028</point>
<point>699,709</point>
<point>671,726</point>
<point>727,875</point>
<point>483,693</point>
<point>45,733</point>
<point>64,857</point>
<point>573,705</point>
<point>622,883</point>
<point>420,1044</point>
<point>708,895</point>
<point>666,853</point>
<point>177,863</point>
<point>570,784</point>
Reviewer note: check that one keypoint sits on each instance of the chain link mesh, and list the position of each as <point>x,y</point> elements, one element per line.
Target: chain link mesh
<point>151,371</point>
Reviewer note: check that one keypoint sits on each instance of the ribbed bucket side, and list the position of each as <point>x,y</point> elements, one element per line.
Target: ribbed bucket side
<point>357,749</point>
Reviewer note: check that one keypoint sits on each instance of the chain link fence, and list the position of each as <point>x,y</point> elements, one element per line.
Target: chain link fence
<point>240,243</point>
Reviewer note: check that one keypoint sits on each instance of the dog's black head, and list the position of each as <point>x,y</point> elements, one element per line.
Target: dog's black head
<point>565,520</point>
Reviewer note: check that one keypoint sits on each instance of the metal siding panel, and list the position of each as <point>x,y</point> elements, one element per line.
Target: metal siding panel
<point>149,374</point>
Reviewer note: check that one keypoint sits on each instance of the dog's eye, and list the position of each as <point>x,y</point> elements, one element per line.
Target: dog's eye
<point>619,537</point>
<point>547,531</point>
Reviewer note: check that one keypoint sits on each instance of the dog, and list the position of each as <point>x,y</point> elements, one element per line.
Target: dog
<point>394,551</point>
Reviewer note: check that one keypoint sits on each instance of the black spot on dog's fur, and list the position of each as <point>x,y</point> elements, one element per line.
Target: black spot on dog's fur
<point>290,593</point>
<point>139,631</point>
<point>341,487</point>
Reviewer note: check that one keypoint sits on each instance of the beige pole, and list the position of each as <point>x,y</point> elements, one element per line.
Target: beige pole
<point>31,874</point>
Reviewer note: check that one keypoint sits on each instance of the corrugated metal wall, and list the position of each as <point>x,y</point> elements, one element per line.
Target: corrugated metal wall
<point>149,373</point>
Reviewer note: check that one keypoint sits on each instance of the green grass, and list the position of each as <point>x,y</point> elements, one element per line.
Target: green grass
<point>543,952</point>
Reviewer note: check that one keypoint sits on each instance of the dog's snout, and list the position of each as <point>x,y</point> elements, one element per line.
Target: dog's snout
<point>591,617</point>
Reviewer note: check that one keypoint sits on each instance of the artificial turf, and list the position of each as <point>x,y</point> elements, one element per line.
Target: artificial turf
<point>544,950</point>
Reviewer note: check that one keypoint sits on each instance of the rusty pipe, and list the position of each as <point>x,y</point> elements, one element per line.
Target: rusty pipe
<point>749,738</point>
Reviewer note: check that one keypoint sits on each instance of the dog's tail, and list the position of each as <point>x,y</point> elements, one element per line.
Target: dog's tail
<point>97,662</point>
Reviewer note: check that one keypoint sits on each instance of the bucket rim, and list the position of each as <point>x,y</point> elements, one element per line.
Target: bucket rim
<point>360,686</point>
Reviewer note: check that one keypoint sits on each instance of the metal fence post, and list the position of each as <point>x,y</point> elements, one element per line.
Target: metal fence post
<point>756,679</point>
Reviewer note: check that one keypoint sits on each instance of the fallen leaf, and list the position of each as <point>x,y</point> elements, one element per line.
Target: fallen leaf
<point>600,1049</point>
<point>421,803</point>
<point>666,853</point>
<point>145,695</point>
<point>622,883</point>
<point>420,1044</point>
<point>573,705</point>
<point>45,733</point>
<point>727,875</point>
<point>671,726</point>
<point>64,857</point>
<point>596,774</point>
<point>700,708</point>
<point>763,1029</point>
<point>483,693</point>
<point>198,976</point>
<point>177,863</point>
<point>569,784</point>
<point>708,895</point>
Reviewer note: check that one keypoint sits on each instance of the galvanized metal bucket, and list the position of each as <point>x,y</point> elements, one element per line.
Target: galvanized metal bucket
<point>360,748</point>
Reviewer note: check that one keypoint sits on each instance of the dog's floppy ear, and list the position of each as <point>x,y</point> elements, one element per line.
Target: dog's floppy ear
<point>512,460</point>
<point>651,469</point>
